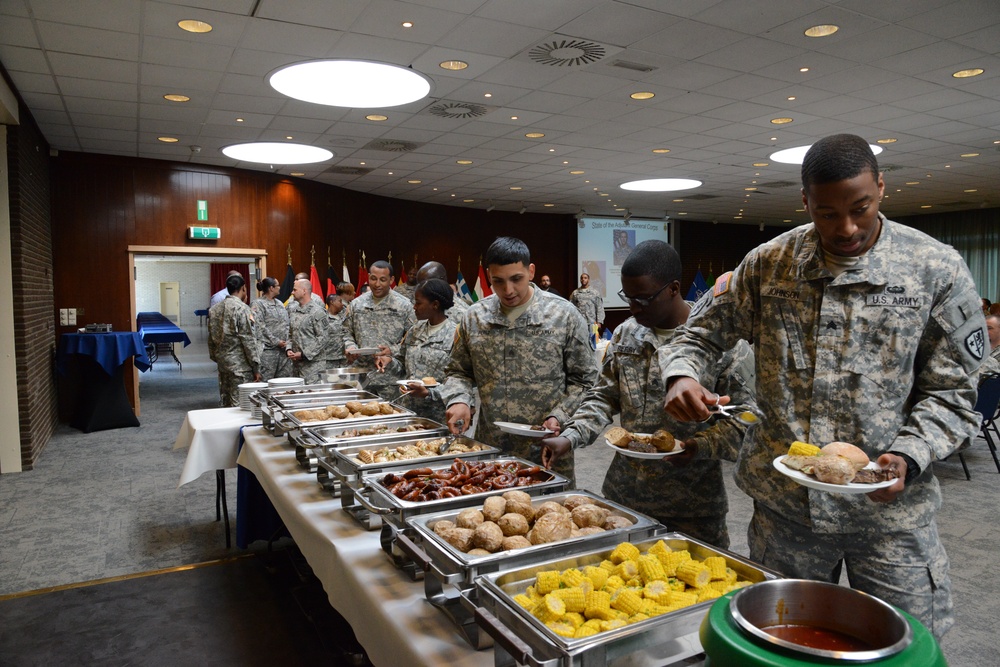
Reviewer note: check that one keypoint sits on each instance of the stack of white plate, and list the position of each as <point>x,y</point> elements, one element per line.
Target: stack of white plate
<point>246,389</point>
<point>284,383</point>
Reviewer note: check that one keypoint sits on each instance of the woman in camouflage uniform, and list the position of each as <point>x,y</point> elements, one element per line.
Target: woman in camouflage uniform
<point>271,329</point>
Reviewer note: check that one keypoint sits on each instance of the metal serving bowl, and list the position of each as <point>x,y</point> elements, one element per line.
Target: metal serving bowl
<point>821,605</point>
<point>351,375</point>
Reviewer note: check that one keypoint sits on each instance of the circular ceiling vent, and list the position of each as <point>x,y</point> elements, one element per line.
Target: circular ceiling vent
<point>458,110</point>
<point>567,53</point>
<point>392,145</point>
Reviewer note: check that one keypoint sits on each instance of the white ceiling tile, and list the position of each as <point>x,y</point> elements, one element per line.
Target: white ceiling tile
<point>688,40</point>
<point>160,20</point>
<point>178,53</point>
<point>34,83</point>
<point>21,59</point>
<point>17,31</point>
<point>491,37</point>
<point>97,120</point>
<point>120,15</point>
<point>618,23</point>
<point>180,79</point>
<point>549,15</point>
<point>362,47</point>
<point>384,18</point>
<point>262,35</point>
<point>336,15</point>
<point>88,41</point>
<point>952,19</point>
<point>756,18</point>
<point>242,104</point>
<point>751,54</point>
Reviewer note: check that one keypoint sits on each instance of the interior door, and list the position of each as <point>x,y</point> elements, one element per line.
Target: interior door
<point>170,301</point>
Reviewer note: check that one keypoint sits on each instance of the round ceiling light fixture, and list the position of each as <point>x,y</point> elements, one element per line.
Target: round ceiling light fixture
<point>661,184</point>
<point>270,152</point>
<point>357,84</point>
<point>797,154</point>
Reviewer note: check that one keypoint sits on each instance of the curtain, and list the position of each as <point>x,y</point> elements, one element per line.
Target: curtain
<point>219,273</point>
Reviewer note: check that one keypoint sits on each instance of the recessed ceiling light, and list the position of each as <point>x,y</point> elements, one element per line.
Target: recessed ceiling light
<point>750,189</point>
<point>176,98</point>
<point>277,153</point>
<point>796,155</point>
<point>298,173</point>
<point>552,150</point>
<point>362,164</point>
<point>661,150</point>
<point>390,173</point>
<point>358,84</point>
<point>434,189</point>
<point>468,201</point>
<point>761,164</point>
<point>912,183</point>
<point>168,140</point>
<point>535,135</point>
<point>677,201</point>
<point>548,205</point>
<point>821,30</point>
<point>682,213</point>
<point>781,121</point>
<point>453,65</point>
<point>487,94</point>
<point>190,25</point>
<point>577,172</point>
<point>970,154</point>
<point>463,161</point>
<point>887,140</point>
<point>239,120</point>
<point>803,69</point>
<point>642,95</point>
<point>452,194</point>
<point>604,194</point>
<point>414,182</point>
<point>661,184</point>
<point>513,117</point>
<point>966,73</point>
<point>515,187</point>
<point>926,206</point>
<point>791,98</point>
<point>973,190</point>
<point>377,117</point>
<point>407,24</point>
<point>289,137</point>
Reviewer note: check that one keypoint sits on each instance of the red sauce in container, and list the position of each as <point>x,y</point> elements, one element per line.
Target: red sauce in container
<point>820,638</point>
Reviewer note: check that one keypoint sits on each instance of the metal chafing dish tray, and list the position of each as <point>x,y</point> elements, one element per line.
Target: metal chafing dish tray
<point>448,571</point>
<point>284,419</point>
<point>339,466</point>
<point>378,500</point>
<point>313,442</point>
<point>661,640</point>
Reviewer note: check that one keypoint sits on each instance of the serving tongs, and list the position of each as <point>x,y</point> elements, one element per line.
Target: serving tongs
<point>748,414</point>
<point>446,445</point>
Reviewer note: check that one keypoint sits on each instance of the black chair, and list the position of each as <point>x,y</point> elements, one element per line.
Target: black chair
<point>988,407</point>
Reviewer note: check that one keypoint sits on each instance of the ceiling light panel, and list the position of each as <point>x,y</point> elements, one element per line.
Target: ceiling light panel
<point>355,84</point>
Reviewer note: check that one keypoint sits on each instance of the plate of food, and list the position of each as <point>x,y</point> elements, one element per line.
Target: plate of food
<point>527,430</point>
<point>407,383</point>
<point>839,467</point>
<point>642,445</point>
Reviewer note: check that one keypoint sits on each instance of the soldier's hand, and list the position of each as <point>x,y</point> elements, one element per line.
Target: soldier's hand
<point>553,425</point>
<point>256,377</point>
<point>690,448</point>
<point>417,389</point>
<point>456,412</point>
<point>888,494</point>
<point>688,401</point>
<point>553,449</point>
<point>350,356</point>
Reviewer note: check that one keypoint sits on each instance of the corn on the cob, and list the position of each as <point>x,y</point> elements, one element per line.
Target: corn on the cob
<point>671,560</point>
<point>561,628</point>
<point>799,448</point>
<point>626,600</point>
<point>694,573</point>
<point>624,551</point>
<point>571,577</point>
<point>546,582</point>
<point>574,598</point>
<point>651,569</point>
<point>627,569</point>
<point>716,567</point>
<point>551,608</point>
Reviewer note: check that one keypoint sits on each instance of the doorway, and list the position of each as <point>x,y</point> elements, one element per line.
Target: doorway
<point>170,301</point>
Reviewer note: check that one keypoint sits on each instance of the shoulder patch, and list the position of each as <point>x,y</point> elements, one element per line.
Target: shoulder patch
<point>975,343</point>
<point>722,284</point>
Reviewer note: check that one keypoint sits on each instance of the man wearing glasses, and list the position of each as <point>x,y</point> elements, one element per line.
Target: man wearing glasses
<point>689,496</point>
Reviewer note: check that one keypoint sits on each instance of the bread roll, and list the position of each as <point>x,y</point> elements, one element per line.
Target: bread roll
<point>855,455</point>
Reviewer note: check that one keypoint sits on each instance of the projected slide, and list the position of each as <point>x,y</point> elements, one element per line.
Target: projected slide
<point>604,243</point>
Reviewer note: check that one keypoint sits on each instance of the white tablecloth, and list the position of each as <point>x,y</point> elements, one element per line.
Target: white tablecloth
<point>389,613</point>
<point>213,436</point>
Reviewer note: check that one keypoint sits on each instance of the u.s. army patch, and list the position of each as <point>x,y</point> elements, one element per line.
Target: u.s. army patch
<point>975,343</point>
<point>722,284</point>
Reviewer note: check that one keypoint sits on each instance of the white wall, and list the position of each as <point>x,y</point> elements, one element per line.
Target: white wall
<point>194,280</point>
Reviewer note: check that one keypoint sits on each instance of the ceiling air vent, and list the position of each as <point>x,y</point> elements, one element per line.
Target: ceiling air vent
<point>637,67</point>
<point>392,145</point>
<point>457,110</point>
<point>348,171</point>
<point>562,51</point>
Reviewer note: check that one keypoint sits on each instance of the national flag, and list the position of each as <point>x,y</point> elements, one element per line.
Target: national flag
<point>482,285</point>
<point>331,280</point>
<point>402,275</point>
<point>317,286</point>
<point>362,276</point>
<point>698,287</point>
<point>287,284</point>
<point>347,274</point>
<point>463,288</point>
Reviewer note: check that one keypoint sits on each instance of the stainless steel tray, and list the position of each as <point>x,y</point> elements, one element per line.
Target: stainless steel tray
<point>284,419</point>
<point>659,640</point>
<point>312,443</point>
<point>448,571</point>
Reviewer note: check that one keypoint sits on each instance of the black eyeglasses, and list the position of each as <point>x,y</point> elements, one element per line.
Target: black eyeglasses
<point>643,301</point>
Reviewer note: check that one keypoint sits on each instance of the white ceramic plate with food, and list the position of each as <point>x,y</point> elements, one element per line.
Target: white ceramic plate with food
<point>523,429</point>
<point>407,383</point>
<point>813,483</point>
<point>361,351</point>
<point>643,455</point>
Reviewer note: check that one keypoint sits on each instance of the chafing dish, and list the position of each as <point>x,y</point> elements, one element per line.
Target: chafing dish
<point>448,571</point>
<point>378,500</point>
<point>312,443</point>
<point>355,376</point>
<point>661,640</point>
<point>282,411</point>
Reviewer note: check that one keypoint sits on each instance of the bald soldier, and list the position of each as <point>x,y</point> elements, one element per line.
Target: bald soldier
<point>309,334</point>
<point>437,270</point>
<point>527,351</point>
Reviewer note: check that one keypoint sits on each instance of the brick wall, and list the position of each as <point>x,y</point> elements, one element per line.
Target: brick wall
<point>194,286</point>
<point>34,309</point>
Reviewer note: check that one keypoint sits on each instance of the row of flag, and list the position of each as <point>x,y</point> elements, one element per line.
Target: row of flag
<point>700,285</point>
<point>481,291</point>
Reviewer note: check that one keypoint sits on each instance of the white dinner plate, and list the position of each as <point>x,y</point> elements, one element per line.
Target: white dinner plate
<point>813,483</point>
<point>522,429</point>
<point>360,351</point>
<point>643,455</point>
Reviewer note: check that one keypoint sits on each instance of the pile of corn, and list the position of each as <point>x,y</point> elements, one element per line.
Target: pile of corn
<point>628,587</point>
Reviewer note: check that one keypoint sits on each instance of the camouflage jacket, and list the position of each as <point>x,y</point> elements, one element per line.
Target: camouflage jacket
<point>879,356</point>
<point>590,304</point>
<point>270,322</point>
<point>368,324</point>
<point>536,367</point>
<point>424,354</point>
<point>335,346</point>
<point>406,290</point>
<point>457,311</point>
<point>631,384</point>
<point>231,342</point>
<point>309,332</point>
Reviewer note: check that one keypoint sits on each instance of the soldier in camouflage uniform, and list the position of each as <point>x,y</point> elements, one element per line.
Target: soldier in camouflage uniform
<point>527,351</point>
<point>231,342</point>
<point>380,316</point>
<point>689,498</point>
<point>588,301</point>
<point>335,314</point>
<point>409,288</point>
<point>425,350</point>
<point>991,364</point>
<point>865,331</point>
<point>271,326</point>
<point>309,335</point>
<point>437,270</point>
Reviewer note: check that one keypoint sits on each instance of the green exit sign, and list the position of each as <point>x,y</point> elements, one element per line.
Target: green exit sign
<point>202,209</point>
<point>205,233</point>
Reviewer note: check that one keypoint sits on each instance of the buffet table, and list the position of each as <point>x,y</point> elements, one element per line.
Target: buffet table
<point>389,613</point>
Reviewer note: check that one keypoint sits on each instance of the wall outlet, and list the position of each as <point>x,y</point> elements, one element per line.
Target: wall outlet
<point>71,315</point>
<point>63,317</point>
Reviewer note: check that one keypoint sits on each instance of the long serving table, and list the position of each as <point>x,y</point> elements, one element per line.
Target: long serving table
<point>390,614</point>
<point>158,333</point>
